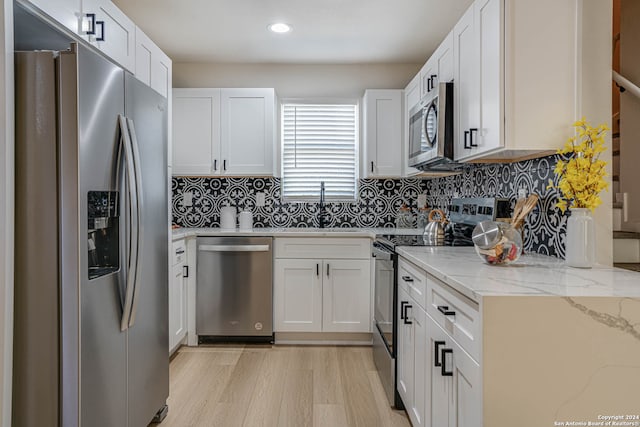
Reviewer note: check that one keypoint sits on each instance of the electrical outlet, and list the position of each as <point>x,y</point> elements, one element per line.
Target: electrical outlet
<point>422,200</point>
<point>187,199</point>
<point>260,199</point>
<point>522,193</point>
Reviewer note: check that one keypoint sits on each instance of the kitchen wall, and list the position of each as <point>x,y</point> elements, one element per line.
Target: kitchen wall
<point>379,200</point>
<point>376,206</point>
<point>297,80</point>
<point>545,227</point>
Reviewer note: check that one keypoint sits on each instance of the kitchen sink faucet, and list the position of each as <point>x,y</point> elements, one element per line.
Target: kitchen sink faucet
<point>321,208</point>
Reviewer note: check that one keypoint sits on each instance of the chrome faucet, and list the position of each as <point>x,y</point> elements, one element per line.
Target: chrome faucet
<point>321,208</point>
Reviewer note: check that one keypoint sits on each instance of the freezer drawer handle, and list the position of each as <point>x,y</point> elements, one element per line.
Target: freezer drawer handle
<point>233,248</point>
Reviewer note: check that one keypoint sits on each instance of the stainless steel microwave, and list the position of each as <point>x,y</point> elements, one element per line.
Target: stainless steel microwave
<point>431,131</point>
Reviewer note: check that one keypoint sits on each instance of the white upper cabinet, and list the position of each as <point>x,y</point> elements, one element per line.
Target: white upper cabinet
<point>466,107</point>
<point>66,12</point>
<point>153,67</point>
<point>439,67</point>
<point>509,105</point>
<point>382,150</point>
<point>113,32</point>
<point>223,131</point>
<point>196,132</point>
<point>247,131</point>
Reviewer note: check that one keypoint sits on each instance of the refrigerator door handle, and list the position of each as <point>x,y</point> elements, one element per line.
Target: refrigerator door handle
<point>139,230</point>
<point>132,188</point>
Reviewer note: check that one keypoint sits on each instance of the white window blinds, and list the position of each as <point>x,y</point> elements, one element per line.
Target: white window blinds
<point>319,144</point>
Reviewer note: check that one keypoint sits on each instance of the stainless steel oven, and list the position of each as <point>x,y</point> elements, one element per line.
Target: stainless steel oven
<point>385,330</point>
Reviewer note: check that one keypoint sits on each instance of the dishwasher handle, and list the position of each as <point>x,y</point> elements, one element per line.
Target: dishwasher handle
<point>234,248</point>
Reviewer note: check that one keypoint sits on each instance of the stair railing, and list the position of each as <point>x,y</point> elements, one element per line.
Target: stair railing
<point>626,84</point>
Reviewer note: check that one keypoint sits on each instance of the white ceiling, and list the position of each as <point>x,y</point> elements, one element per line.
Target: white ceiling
<point>324,31</point>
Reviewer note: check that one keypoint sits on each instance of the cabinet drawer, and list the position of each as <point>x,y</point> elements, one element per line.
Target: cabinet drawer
<point>323,247</point>
<point>179,252</point>
<point>413,280</point>
<point>456,314</point>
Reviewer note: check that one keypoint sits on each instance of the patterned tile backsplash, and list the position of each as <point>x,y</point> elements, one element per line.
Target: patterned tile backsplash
<point>379,200</point>
<point>377,204</point>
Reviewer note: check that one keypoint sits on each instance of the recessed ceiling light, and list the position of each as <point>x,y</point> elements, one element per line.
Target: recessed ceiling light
<point>279,27</point>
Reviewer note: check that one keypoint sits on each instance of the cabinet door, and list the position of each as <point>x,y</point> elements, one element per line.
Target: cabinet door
<point>428,74</point>
<point>405,355</point>
<point>66,12</point>
<point>161,73</point>
<point>411,99</point>
<point>439,390</point>
<point>489,23</point>
<point>177,307</point>
<point>466,407</point>
<point>346,295</point>
<point>417,409</point>
<point>444,60</point>
<point>115,33</point>
<point>467,80</point>
<point>145,49</point>
<point>247,131</point>
<point>196,132</point>
<point>297,295</point>
<point>382,133</point>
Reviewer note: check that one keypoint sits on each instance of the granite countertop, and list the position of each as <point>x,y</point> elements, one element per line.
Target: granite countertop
<point>531,275</point>
<point>180,233</point>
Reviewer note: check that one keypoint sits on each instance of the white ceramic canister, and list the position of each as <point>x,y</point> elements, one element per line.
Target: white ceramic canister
<point>246,220</point>
<point>228,217</point>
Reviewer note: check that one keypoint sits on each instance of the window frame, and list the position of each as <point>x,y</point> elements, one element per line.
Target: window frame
<point>356,103</point>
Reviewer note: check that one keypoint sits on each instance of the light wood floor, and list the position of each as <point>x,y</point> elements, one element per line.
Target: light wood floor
<point>277,386</point>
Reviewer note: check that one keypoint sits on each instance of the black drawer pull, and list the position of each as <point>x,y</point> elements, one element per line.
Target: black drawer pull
<point>436,353</point>
<point>406,315</point>
<point>402,304</point>
<point>179,251</point>
<point>443,356</point>
<point>444,309</point>
<point>407,279</point>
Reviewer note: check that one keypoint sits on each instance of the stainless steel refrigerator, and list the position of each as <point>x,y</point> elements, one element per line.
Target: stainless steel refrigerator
<point>91,328</point>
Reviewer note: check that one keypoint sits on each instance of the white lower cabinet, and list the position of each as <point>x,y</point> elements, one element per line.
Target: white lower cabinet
<point>411,358</point>
<point>437,379</point>
<point>453,390</point>
<point>321,294</point>
<point>178,296</point>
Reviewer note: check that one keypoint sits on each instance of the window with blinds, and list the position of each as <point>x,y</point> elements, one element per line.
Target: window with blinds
<point>319,143</point>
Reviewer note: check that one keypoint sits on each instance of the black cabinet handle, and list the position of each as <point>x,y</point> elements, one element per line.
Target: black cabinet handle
<point>327,270</point>
<point>407,279</point>
<point>179,251</point>
<point>406,315</point>
<point>371,167</point>
<point>443,356</point>
<point>444,309</point>
<point>215,164</point>
<point>471,131</point>
<point>185,271</point>
<point>436,353</point>
<point>402,304</point>
<point>92,19</point>
<point>317,269</point>
<point>433,76</point>
<point>224,164</point>
<point>101,24</point>
<point>466,137</point>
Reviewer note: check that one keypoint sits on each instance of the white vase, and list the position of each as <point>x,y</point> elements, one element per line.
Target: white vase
<point>580,242</point>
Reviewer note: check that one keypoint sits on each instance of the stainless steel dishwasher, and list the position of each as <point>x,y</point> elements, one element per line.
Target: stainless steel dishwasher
<point>234,293</point>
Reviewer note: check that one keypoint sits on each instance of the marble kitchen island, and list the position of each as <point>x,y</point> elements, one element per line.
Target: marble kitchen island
<point>552,345</point>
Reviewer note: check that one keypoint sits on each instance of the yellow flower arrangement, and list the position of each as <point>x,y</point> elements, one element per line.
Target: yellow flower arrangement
<point>582,177</point>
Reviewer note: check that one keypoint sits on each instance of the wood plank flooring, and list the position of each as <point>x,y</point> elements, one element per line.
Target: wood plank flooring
<point>284,386</point>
